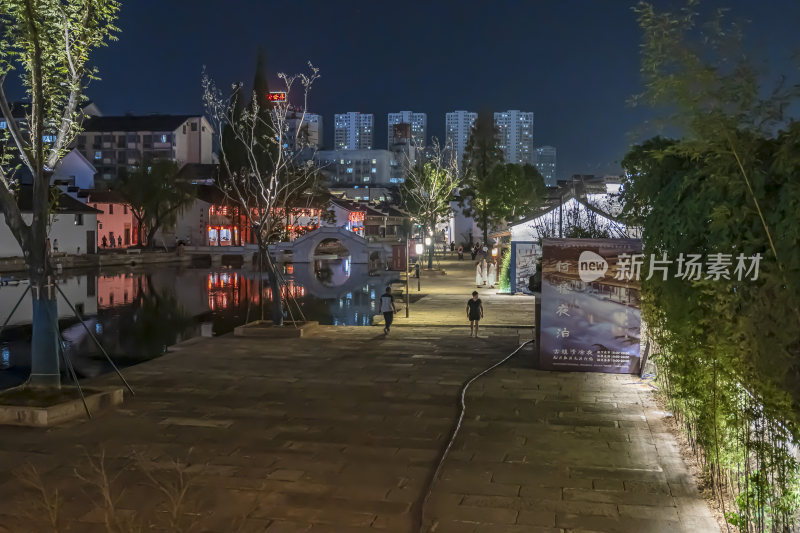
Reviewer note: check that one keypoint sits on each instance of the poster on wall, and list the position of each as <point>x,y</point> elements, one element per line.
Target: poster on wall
<point>591,315</point>
<point>525,256</point>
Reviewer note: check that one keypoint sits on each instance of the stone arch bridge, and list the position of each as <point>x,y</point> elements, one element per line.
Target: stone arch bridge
<point>361,250</point>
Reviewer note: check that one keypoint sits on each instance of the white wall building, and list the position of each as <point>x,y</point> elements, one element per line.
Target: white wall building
<point>419,127</point>
<point>72,231</point>
<point>116,143</point>
<point>458,126</point>
<point>353,131</point>
<point>515,135</point>
<point>546,163</point>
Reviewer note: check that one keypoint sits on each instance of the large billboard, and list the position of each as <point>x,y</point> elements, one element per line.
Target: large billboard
<point>591,315</point>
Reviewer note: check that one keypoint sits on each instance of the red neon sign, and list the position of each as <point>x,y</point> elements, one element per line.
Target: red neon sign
<point>357,216</point>
<point>277,96</point>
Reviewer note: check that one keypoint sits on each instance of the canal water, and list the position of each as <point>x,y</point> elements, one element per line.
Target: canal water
<point>138,313</point>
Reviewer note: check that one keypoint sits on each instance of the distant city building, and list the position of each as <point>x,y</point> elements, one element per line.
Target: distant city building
<point>353,131</point>
<point>458,126</point>
<point>515,135</point>
<point>545,161</point>
<point>309,128</point>
<point>418,123</point>
<point>360,168</point>
<point>114,144</point>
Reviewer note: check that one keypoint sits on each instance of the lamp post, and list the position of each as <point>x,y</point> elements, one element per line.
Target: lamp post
<point>408,296</point>
<point>430,252</point>
<point>420,249</point>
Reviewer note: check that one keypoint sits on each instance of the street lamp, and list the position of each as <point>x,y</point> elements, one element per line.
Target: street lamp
<point>430,252</point>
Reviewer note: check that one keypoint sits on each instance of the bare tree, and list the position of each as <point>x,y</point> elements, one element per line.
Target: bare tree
<point>429,187</point>
<point>48,43</point>
<point>266,172</point>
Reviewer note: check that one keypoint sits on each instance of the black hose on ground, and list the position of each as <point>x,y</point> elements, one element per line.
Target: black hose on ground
<point>454,433</point>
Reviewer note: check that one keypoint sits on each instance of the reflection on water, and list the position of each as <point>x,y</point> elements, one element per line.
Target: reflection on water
<point>332,272</point>
<point>137,314</point>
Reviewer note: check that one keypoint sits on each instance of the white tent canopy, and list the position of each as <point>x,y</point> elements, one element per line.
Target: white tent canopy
<point>568,217</point>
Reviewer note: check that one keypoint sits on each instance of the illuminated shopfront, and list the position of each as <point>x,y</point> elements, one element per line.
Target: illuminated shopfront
<point>355,222</point>
<point>228,227</point>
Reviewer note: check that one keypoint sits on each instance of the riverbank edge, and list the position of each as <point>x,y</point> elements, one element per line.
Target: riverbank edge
<point>14,265</point>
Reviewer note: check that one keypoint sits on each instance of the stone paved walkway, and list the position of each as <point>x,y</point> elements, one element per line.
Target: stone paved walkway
<point>444,299</point>
<point>340,431</point>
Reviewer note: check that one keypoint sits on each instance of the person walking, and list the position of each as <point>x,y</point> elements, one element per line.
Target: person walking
<point>388,309</point>
<point>474,313</point>
<point>460,252</point>
<point>492,277</point>
<point>479,274</point>
<point>452,246</point>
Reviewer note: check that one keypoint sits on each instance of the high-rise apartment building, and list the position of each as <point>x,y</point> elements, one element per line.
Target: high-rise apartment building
<point>418,123</point>
<point>458,126</point>
<point>546,163</point>
<point>114,144</point>
<point>515,135</point>
<point>353,131</point>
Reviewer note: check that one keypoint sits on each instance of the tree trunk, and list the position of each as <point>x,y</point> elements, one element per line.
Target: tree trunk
<point>139,225</point>
<point>151,237</point>
<point>45,368</point>
<point>275,287</point>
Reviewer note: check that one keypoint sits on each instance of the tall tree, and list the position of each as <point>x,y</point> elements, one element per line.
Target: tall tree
<point>272,173</point>
<point>156,197</point>
<point>428,190</point>
<point>48,42</point>
<point>481,156</point>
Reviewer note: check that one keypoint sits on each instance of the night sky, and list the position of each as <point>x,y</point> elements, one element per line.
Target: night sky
<point>573,63</point>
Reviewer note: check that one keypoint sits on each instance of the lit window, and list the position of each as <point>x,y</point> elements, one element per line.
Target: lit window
<point>374,170</point>
<point>98,155</point>
<point>374,161</point>
<point>163,138</point>
<point>366,178</point>
<point>349,170</point>
<point>3,124</point>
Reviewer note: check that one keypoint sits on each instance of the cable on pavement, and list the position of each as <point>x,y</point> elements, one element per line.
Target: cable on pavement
<point>456,429</point>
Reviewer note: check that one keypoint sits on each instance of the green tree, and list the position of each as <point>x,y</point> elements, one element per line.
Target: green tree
<point>428,191</point>
<point>48,43</point>
<point>481,156</point>
<point>729,347</point>
<point>155,197</point>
